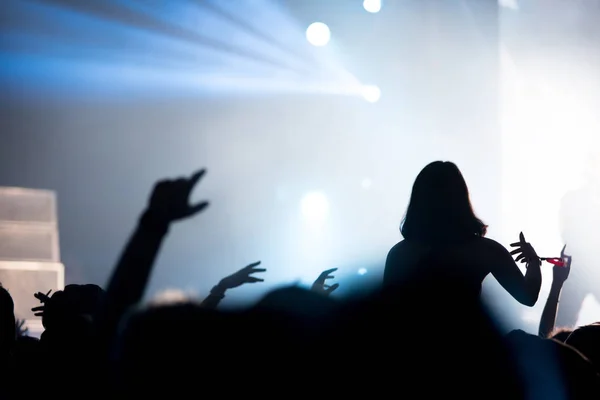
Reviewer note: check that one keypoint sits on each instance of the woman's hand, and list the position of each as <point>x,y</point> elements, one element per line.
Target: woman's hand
<point>524,251</point>
<point>561,273</point>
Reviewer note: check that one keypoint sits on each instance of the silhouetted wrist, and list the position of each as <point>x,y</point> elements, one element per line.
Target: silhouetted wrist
<point>153,222</point>
<point>218,291</point>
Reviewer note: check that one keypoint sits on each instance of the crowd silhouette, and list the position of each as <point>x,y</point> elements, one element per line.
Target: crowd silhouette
<point>424,334</point>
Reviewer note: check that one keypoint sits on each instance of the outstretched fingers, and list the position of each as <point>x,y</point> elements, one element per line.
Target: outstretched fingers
<point>42,297</point>
<point>251,266</point>
<point>326,275</point>
<point>195,178</point>
<point>195,209</point>
<point>257,270</point>
<point>189,185</point>
<point>524,252</point>
<point>517,251</point>
<point>521,241</point>
<point>251,269</point>
<point>38,311</point>
<point>332,288</point>
<point>329,271</point>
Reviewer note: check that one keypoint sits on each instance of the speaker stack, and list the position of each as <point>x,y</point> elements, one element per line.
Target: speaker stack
<point>29,249</point>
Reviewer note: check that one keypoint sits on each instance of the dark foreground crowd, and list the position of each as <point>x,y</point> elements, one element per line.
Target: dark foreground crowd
<point>424,334</point>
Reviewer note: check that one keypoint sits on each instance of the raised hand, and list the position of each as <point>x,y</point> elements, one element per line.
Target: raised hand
<point>565,258</point>
<point>43,298</point>
<point>242,276</point>
<point>524,251</point>
<point>170,198</point>
<point>319,286</point>
<point>561,273</point>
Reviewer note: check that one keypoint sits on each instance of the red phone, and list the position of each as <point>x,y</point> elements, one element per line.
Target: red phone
<point>556,261</point>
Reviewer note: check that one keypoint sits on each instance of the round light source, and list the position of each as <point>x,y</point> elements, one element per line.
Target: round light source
<point>372,6</point>
<point>318,34</point>
<point>371,93</point>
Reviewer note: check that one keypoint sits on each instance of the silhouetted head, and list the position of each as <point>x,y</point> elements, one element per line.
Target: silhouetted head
<point>440,208</point>
<point>561,334</point>
<point>298,302</point>
<point>8,333</point>
<point>74,303</point>
<point>586,339</point>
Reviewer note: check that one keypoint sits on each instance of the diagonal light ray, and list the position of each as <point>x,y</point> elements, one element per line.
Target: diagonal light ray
<point>217,8</point>
<point>158,47</point>
<point>127,16</point>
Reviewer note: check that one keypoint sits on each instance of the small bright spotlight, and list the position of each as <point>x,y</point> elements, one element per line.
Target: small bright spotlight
<point>318,34</point>
<point>371,93</point>
<point>372,6</point>
<point>314,206</point>
<point>362,271</point>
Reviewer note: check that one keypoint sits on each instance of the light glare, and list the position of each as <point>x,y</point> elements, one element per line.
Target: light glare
<point>314,207</point>
<point>372,6</point>
<point>318,34</point>
<point>510,4</point>
<point>371,93</point>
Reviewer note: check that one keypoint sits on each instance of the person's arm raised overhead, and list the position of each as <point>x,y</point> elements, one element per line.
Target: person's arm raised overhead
<point>169,202</point>
<point>560,274</point>
<point>525,289</point>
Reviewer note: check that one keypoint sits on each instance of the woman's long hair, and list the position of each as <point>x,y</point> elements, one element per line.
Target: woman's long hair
<point>440,209</point>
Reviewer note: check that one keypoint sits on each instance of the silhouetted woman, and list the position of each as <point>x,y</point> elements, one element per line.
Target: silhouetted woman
<point>444,239</point>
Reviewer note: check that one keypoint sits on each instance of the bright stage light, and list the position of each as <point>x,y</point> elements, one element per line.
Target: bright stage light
<point>318,34</point>
<point>315,207</point>
<point>510,4</point>
<point>372,6</point>
<point>362,271</point>
<point>371,93</point>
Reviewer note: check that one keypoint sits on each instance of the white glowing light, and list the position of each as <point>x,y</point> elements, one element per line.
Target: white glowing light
<point>371,93</point>
<point>372,6</point>
<point>314,207</point>
<point>589,312</point>
<point>318,34</point>
<point>366,183</point>
<point>362,271</point>
<point>510,4</point>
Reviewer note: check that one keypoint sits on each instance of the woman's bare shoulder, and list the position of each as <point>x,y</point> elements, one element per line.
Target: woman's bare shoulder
<point>397,249</point>
<point>489,245</point>
<point>404,245</point>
